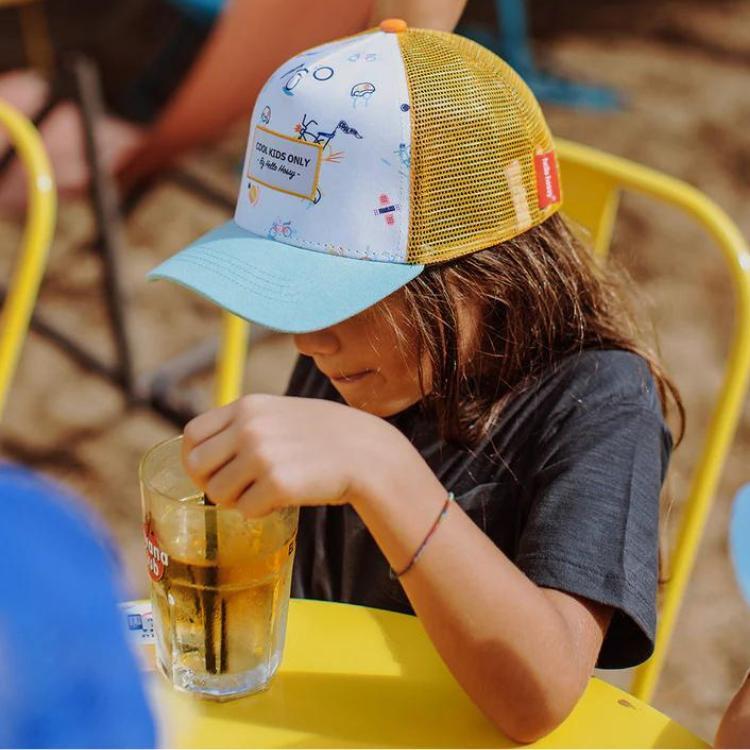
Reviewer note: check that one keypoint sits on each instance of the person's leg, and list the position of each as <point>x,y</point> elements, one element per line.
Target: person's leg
<point>134,94</point>
<point>63,137</point>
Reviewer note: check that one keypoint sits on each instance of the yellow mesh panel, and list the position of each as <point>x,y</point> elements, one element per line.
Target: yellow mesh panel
<point>475,130</point>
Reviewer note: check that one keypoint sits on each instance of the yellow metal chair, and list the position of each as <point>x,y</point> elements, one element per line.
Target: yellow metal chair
<point>37,236</point>
<point>592,184</point>
<point>230,366</point>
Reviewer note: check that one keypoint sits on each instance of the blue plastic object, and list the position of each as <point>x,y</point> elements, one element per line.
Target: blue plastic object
<point>739,539</point>
<point>512,44</point>
<point>67,675</point>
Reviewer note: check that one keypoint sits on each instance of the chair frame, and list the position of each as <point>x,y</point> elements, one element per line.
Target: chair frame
<point>230,362</point>
<point>605,177</point>
<point>37,238</point>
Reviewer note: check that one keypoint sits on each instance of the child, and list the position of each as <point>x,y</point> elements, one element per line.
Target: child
<point>472,430</point>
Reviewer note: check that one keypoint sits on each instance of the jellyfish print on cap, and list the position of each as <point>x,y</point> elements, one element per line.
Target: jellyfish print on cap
<point>361,92</point>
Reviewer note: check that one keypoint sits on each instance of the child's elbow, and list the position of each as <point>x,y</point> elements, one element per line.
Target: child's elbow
<point>527,729</point>
<point>534,716</point>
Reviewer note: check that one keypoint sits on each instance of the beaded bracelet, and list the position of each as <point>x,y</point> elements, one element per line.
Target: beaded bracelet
<point>421,547</point>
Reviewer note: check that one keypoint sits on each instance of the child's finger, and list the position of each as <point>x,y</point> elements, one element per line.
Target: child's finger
<point>206,458</point>
<point>207,424</point>
<point>259,499</point>
<point>226,485</point>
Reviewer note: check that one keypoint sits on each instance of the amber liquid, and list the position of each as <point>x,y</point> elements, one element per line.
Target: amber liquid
<point>220,627</point>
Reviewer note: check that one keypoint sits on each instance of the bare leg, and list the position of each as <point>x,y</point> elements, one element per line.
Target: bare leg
<point>63,137</point>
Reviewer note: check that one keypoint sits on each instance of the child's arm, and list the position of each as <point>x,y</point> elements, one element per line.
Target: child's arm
<point>523,653</point>
<point>232,67</point>
<point>734,729</point>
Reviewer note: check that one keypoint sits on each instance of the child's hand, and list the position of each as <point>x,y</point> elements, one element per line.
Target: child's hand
<point>262,453</point>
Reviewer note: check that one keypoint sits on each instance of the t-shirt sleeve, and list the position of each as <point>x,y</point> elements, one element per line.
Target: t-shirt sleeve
<point>593,515</point>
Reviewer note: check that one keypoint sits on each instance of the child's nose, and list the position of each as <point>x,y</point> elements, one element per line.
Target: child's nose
<point>317,342</point>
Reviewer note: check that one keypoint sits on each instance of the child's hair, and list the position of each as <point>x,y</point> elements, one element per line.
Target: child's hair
<point>537,298</point>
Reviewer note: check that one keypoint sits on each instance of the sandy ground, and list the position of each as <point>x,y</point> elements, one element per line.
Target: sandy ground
<point>683,69</point>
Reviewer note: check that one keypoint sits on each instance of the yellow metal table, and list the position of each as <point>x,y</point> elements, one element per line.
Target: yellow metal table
<point>358,677</point>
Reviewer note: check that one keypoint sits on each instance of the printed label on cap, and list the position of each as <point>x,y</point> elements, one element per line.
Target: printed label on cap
<point>547,181</point>
<point>284,163</point>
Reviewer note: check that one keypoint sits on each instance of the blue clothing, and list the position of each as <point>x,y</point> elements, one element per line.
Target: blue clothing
<point>68,677</point>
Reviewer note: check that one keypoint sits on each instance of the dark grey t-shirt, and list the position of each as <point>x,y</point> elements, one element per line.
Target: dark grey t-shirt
<point>567,486</point>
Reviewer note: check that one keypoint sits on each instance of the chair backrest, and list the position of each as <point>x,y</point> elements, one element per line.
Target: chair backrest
<point>592,184</point>
<point>230,364</point>
<point>37,236</point>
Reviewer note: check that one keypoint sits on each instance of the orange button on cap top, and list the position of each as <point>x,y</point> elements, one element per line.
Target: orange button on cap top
<point>393,25</point>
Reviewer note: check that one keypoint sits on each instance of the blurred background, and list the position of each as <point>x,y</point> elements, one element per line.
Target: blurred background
<point>662,83</point>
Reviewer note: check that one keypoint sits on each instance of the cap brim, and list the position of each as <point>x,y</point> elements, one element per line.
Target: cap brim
<point>280,286</point>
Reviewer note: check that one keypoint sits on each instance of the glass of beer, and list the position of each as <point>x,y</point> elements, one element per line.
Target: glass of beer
<point>219,582</point>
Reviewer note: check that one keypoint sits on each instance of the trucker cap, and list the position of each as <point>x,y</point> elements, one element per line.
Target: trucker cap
<point>368,159</point>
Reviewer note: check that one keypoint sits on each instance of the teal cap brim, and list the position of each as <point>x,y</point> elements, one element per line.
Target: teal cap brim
<point>280,286</point>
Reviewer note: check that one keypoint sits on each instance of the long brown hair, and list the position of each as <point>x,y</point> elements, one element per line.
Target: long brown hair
<point>533,300</point>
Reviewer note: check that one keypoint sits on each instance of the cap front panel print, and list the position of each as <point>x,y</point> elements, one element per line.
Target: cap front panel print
<point>327,162</point>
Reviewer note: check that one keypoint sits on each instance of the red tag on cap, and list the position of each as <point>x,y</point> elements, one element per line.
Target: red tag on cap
<point>547,181</point>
